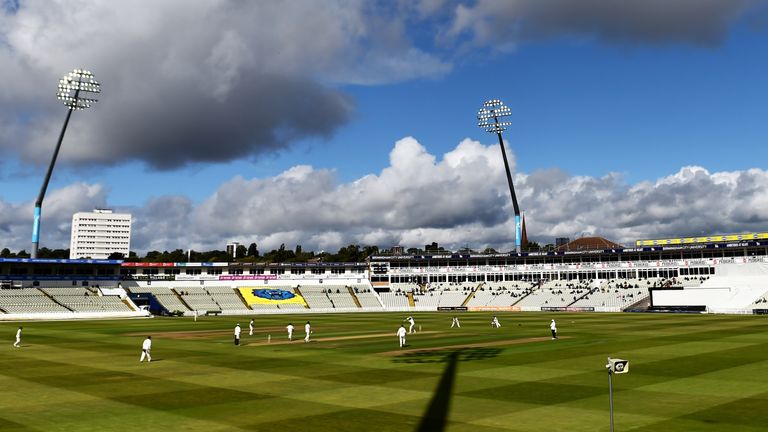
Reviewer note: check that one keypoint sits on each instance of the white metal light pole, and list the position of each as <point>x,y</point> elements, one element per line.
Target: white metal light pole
<point>618,366</point>
<point>72,91</point>
<point>488,119</point>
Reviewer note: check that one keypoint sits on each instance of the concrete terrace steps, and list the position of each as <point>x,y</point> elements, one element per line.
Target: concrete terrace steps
<point>472,294</point>
<point>354,297</point>
<point>55,301</point>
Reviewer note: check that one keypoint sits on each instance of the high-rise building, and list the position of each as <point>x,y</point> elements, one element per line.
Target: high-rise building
<point>232,249</point>
<point>100,233</point>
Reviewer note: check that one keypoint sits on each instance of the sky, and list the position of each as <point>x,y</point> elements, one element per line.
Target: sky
<point>324,123</point>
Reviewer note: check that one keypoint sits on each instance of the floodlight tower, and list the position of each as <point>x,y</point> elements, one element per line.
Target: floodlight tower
<point>75,91</point>
<point>488,119</point>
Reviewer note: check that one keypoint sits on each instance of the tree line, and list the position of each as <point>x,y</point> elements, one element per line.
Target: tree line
<point>351,253</point>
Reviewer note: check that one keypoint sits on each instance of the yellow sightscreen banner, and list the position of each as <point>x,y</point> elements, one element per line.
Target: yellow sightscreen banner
<point>699,240</point>
<point>260,295</point>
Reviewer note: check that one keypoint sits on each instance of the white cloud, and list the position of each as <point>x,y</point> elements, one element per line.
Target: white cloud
<point>457,199</point>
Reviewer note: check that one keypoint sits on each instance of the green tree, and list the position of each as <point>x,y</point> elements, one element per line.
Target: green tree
<point>152,256</point>
<point>5,253</point>
<point>533,246</point>
<point>253,250</point>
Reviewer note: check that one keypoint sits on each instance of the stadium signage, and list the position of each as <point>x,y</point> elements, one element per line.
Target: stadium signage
<point>248,277</point>
<point>495,308</point>
<point>567,309</point>
<point>59,277</point>
<point>58,261</point>
<point>700,240</point>
<point>196,277</point>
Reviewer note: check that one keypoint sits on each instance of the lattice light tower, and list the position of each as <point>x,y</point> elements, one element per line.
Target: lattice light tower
<point>489,118</point>
<point>76,91</point>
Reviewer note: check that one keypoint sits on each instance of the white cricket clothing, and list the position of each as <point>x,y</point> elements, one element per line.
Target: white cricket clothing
<point>307,330</point>
<point>496,323</point>
<point>250,328</point>
<point>18,338</point>
<point>455,322</point>
<point>237,331</point>
<point>146,347</point>
<point>413,323</point>
<point>553,328</point>
<point>401,335</point>
<point>290,331</point>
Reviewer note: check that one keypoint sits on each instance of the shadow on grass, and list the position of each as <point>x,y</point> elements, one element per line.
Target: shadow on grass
<point>436,417</point>
<point>448,355</point>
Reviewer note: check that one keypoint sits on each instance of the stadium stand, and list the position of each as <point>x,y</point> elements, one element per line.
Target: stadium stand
<point>165,295</point>
<point>28,300</point>
<point>198,298</point>
<point>80,299</point>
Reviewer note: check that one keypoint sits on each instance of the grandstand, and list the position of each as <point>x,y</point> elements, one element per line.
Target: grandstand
<point>713,277</point>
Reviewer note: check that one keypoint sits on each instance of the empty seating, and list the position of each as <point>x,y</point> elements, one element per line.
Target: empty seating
<point>28,300</point>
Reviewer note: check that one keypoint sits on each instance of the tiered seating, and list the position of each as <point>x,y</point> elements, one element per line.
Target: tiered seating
<point>405,287</point>
<point>612,297</point>
<point>452,298</point>
<point>275,306</point>
<point>367,297</point>
<point>198,299</point>
<point>691,281</point>
<point>316,296</point>
<point>550,298</point>
<point>497,296</point>
<point>340,296</point>
<point>328,296</point>
<point>760,303</point>
<point>28,300</point>
<point>427,300</point>
<point>649,283</point>
<point>226,298</point>
<point>164,295</point>
<point>394,299</point>
<point>84,300</point>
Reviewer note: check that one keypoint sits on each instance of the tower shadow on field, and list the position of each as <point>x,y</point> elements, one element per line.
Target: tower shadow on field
<point>436,417</point>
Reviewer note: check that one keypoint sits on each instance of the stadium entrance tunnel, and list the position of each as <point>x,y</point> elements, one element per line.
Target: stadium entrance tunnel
<point>448,355</point>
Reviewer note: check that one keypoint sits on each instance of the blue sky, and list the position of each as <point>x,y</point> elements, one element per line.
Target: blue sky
<point>587,104</point>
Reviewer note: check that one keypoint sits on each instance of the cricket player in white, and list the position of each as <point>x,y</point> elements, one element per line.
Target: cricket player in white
<point>401,335</point>
<point>17,344</point>
<point>237,334</point>
<point>412,323</point>
<point>146,347</point>
<point>455,322</point>
<point>289,327</point>
<point>250,328</point>
<point>307,331</point>
<point>495,322</point>
<point>553,329</point>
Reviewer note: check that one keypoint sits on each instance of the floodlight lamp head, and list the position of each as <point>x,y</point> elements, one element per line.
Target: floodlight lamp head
<point>489,115</point>
<point>75,87</point>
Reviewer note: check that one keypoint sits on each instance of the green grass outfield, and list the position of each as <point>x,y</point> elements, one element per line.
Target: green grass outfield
<point>687,373</point>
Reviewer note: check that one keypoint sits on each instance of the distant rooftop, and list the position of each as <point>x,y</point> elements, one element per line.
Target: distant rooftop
<point>589,243</point>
